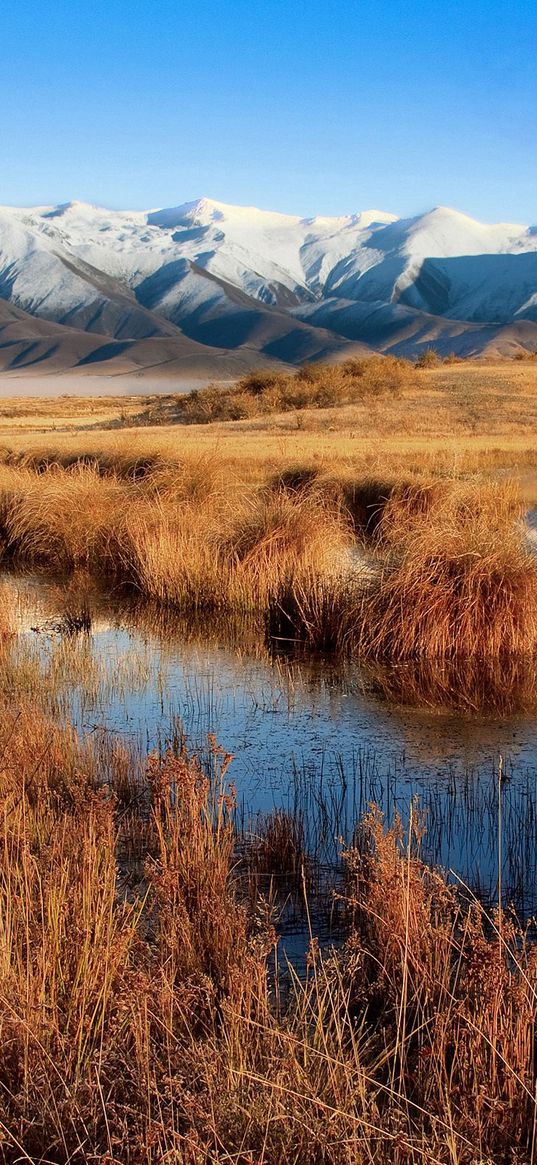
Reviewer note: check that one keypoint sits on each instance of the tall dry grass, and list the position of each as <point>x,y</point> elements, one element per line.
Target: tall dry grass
<point>101,982</point>
<point>139,1013</point>
<point>394,569</point>
<point>58,519</point>
<point>461,579</point>
<point>183,535</point>
<point>230,552</point>
<point>453,576</point>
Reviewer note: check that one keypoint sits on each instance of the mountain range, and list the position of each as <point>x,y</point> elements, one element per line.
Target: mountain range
<point>207,290</point>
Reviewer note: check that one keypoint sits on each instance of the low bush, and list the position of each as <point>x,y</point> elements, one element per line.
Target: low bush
<point>429,358</point>
<point>314,386</point>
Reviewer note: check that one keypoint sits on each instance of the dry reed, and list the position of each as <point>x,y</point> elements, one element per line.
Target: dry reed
<point>448,570</point>
<point>462,581</point>
<point>138,1014</point>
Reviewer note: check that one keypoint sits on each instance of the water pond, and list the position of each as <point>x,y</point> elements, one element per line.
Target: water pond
<point>322,739</point>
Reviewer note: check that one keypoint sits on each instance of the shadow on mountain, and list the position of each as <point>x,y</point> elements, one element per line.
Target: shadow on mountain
<point>106,352</point>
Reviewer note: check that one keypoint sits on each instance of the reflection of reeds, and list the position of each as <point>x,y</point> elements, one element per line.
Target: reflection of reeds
<point>7,617</point>
<point>503,685</point>
<point>277,850</point>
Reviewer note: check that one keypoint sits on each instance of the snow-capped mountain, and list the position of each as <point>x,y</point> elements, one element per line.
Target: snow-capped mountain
<point>209,289</point>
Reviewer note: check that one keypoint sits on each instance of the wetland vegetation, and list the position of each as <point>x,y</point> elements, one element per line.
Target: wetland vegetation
<point>144,1014</point>
<point>321,948</point>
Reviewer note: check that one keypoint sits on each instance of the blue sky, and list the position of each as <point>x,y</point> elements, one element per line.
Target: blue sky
<point>302,107</point>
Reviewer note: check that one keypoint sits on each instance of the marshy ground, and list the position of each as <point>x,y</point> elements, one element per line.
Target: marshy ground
<point>350,591</point>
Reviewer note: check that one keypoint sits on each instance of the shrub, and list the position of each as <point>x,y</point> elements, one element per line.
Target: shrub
<point>429,358</point>
<point>314,386</point>
<point>257,383</point>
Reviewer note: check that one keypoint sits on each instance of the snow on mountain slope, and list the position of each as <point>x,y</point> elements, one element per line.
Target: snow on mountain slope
<point>396,253</point>
<point>273,287</point>
<point>494,288</point>
<point>275,258</point>
<point>213,312</point>
<point>40,276</point>
<point>127,275</point>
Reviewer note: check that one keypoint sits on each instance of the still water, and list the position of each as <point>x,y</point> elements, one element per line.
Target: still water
<point>306,735</point>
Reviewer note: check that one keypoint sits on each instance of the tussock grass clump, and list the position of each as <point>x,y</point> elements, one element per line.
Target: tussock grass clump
<point>462,582</point>
<point>456,578</point>
<point>114,463</point>
<point>192,480</point>
<point>409,505</point>
<point>172,554</point>
<point>229,550</point>
<point>100,997</point>
<point>375,506</point>
<point>201,929</point>
<point>362,499</point>
<point>379,508</point>
<point>295,479</point>
<point>457,1005</point>
<point>60,519</point>
<point>187,535</point>
<point>321,613</point>
<point>428,358</point>
<point>281,537</point>
<point>406,505</point>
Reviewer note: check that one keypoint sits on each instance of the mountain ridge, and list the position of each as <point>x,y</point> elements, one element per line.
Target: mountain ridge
<point>222,287</point>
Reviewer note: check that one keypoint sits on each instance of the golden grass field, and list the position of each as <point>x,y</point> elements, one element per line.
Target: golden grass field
<point>458,417</point>
<point>142,1017</point>
<point>461,407</point>
<point>261,513</point>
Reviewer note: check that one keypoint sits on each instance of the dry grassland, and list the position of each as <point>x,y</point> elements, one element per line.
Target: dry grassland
<point>453,418</point>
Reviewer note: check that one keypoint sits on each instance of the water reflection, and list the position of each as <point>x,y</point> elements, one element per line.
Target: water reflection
<point>320,738</point>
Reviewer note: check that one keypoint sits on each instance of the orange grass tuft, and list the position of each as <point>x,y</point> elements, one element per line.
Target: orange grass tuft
<point>453,576</point>
<point>462,581</point>
<point>443,570</point>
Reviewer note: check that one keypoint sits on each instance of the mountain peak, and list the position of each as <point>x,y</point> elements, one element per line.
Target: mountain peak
<point>278,286</point>
<point>64,208</point>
